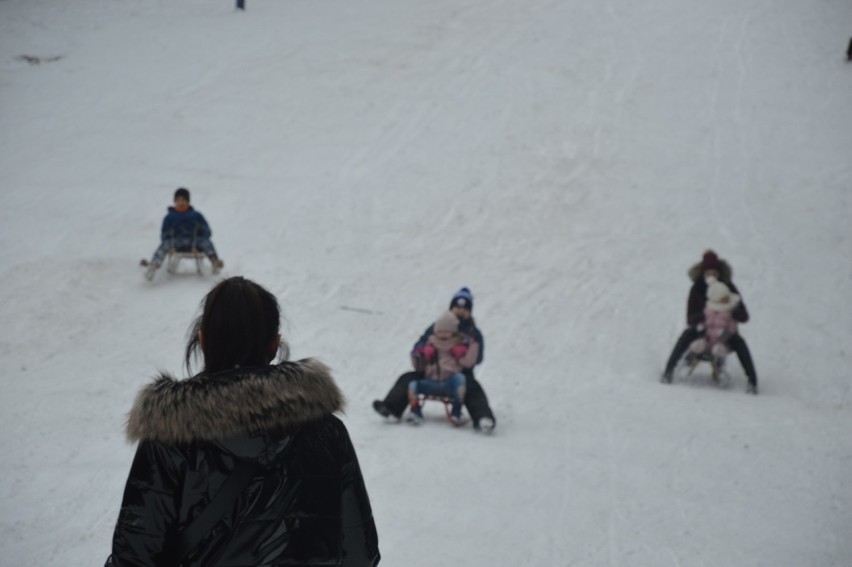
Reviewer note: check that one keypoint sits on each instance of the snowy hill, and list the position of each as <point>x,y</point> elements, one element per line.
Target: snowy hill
<point>568,161</point>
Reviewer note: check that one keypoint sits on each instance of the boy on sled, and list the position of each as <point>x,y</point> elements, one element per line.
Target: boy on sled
<point>184,230</point>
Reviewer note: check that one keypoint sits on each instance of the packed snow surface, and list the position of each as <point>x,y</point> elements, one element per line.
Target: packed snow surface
<point>567,160</point>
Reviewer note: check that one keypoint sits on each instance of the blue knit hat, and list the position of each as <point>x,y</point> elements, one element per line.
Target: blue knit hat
<point>462,298</point>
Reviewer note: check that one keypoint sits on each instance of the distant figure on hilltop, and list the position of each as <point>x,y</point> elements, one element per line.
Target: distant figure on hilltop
<point>184,230</point>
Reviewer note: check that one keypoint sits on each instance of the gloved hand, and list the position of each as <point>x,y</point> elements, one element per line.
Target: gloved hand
<point>700,327</point>
<point>417,351</point>
<point>429,352</point>
<point>458,351</point>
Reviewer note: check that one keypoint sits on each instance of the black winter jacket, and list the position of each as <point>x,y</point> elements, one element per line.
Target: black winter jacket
<point>306,503</point>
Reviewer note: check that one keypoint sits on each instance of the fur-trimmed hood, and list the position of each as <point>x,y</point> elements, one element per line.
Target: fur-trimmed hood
<point>273,399</point>
<point>725,271</point>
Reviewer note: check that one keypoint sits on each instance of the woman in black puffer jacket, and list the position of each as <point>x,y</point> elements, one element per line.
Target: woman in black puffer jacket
<point>303,501</point>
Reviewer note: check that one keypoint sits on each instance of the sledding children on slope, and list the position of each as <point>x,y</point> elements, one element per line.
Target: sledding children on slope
<point>475,399</point>
<point>701,274</point>
<point>184,230</point>
<point>442,360</point>
<point>719,324</point>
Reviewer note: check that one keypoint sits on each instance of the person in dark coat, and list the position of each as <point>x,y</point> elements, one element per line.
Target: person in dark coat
<point>305,503</point>
<point>475,400</point>
<point>184,229</point>
<point>711,266</point>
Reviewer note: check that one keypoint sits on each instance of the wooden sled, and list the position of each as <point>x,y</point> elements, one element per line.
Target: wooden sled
<point>175,257</point>
<point>718,373</point>
<point>448,407</point>
<point>173,260</point>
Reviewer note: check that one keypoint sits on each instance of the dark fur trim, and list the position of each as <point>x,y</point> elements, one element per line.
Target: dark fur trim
<point>725,273</point>
<point>275,399</point>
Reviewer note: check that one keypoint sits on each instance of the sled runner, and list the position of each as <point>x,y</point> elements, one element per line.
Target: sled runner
<point>448,403</point>
<point>718,373</point>
<point>448,410</point>
<point>181,250</point>
<point>174,258</point>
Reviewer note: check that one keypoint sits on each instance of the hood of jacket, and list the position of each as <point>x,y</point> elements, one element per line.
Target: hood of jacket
<point>725,271</point>
<point>241,402</point>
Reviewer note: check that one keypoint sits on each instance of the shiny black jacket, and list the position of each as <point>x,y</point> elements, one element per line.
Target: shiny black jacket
<point>306,503</point>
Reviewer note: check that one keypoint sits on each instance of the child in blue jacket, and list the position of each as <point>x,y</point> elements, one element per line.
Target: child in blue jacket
<point>184,230</point>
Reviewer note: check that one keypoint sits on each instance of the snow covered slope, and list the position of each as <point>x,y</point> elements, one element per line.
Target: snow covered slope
<point>567,160</point>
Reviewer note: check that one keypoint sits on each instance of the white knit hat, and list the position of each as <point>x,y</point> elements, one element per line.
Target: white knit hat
<point>447,322</point>
<point>720,298</point>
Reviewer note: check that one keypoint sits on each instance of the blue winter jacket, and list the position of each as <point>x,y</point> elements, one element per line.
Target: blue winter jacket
<point>466,327</point>
<point>184,226</point>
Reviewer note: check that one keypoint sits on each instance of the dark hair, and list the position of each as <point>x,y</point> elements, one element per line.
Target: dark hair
<point>182,192</point>
<point>238,323</point>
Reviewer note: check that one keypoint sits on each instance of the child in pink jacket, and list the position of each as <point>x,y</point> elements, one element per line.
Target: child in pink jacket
<point>441,361</point>
<point>719,324</point>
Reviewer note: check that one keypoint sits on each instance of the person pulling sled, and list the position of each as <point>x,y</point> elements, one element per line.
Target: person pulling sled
<point>185,233</point>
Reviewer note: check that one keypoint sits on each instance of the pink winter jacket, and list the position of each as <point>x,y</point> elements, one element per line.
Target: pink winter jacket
<point>446,365</point>
<point>720,325</point>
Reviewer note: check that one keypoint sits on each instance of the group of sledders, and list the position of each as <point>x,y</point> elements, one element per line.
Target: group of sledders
<point>443,359</point>
<point>714,311</point>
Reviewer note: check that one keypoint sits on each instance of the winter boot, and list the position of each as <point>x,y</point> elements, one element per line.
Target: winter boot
<point>666,378</point>
<point>415,416</point>
<point>218,264</point>
<point>151,271</point>
<point>381,408</point>
<point>485,425</point>
<point>718,364</point>
<point>455,416</point>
